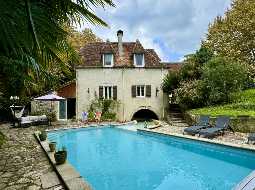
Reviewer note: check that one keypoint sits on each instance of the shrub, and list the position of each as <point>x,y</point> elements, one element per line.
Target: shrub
<point>51,115</point>
<point>220,78</point>
<point>107,107</point>
<point>170,81</point>
<point>109,116</point>
<point>188,95</point>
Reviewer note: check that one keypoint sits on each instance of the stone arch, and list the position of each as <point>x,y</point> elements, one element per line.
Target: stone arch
<point>144,115</point>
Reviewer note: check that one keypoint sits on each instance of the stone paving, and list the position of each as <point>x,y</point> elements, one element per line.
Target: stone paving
<point>22,160</point>
<point>229,137</point>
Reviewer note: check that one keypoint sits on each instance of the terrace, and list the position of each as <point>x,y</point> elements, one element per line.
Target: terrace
<point>24,165</point>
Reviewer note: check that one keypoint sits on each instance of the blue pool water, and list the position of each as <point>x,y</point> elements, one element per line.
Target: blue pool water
<point>116,159</point>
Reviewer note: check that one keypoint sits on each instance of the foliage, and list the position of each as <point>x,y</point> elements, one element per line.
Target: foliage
<point>109,116</point>
<point>170,81</point>
<point>243,104</point>
<point>51,115</point>
<point>221,77</point>
<point>246,96</point>
<point>91,115</point>
<point>190,70</point>
<point>188,94</point>
<point>108,108</point>
<point>233,34</point>
<point>34,51</point>
<point>78,39</point>
<point>192,67</point>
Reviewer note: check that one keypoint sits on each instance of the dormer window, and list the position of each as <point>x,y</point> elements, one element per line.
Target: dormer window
<point>139,60</point>
<point>108,60</point>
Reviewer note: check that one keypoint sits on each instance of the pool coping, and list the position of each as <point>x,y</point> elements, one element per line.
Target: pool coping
<point>71,179</point>
<point>93,125</point>
<point>201,139</point>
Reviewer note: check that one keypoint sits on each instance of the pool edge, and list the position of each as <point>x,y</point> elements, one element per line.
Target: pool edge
<point>70,177</point>
<point>212,141</point>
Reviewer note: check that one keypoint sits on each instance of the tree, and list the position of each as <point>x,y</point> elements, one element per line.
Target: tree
<point>33,42</point>
<point>190,70</point>
<point>79,39</point>
<point>233,35</point>
<point>220,78</point>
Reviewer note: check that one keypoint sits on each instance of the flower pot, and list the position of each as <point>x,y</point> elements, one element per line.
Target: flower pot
<point>52,146</point>
<point>60,157</point>
<point>43,136</point>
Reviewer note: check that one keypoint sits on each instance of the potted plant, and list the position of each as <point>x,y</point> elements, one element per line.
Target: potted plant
<point>52,146</point>
<point>60,156</point>
<point>43,136</point>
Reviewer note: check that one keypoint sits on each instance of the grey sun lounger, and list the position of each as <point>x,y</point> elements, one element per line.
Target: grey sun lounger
<point>251,137</point>
<point>202,123</point>
<point>222,124</point>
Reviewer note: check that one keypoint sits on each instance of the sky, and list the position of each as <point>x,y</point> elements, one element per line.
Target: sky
<point>173,28</point>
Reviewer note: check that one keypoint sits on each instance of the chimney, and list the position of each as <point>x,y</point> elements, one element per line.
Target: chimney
<point>120,45</point>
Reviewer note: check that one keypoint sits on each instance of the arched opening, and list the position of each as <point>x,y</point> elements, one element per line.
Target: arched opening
<point>144,115</point>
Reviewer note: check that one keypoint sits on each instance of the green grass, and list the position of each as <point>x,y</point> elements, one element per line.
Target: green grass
<point>243,104</point>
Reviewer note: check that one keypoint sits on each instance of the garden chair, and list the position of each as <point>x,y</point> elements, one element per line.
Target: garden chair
<point>202,124</point>
<point>222,124</point>
<point>251,138</point>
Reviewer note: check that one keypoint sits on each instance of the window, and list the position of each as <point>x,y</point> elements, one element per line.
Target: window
<point>108,92</point>
<point>108,60</point>
<point>140,91</point>
<point>139,60</point>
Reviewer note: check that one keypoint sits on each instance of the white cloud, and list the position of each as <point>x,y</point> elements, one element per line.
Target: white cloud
<point>173,28</point>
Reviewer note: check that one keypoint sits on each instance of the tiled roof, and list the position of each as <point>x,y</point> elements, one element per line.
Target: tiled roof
<point>91,54</point>
<point>172,65</point>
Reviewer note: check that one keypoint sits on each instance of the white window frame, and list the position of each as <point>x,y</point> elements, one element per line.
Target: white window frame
<point>140,89</point>
<point>143,63</point>
<point>106,88</point>
<point>104,60</point>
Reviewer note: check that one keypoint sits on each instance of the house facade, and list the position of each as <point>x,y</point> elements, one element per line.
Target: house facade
<point>123,71</point>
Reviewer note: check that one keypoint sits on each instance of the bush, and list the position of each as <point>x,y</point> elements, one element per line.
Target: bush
<point>170,81</point>
<point>188,95</point>
<point>50,115</point>
<point>108,109</point>
<point>220,78</point>
<point>109,116</point>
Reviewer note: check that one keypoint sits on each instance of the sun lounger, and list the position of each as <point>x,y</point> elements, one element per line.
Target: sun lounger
<point>251,137</point>
<point>33,120</point>
<point>222,124</point>
<point>202,123</point>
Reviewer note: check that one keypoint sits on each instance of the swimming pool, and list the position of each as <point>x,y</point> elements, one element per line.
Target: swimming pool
<point>116,159</point>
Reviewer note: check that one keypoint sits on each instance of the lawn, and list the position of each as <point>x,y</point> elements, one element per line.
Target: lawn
<point>243,103</point>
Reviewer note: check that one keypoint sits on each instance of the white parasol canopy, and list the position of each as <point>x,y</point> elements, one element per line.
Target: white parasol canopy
<point>50,97</point>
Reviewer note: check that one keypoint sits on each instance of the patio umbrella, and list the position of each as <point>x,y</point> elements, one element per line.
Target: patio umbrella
<point>50,97</point>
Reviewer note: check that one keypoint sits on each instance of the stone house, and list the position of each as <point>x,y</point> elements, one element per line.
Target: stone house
<point>124,71</point>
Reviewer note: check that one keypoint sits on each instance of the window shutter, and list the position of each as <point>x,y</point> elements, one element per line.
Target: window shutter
<point>133,91</point>
<point>101,91</point>
<point>148,90</point>
<point>115,92</point>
